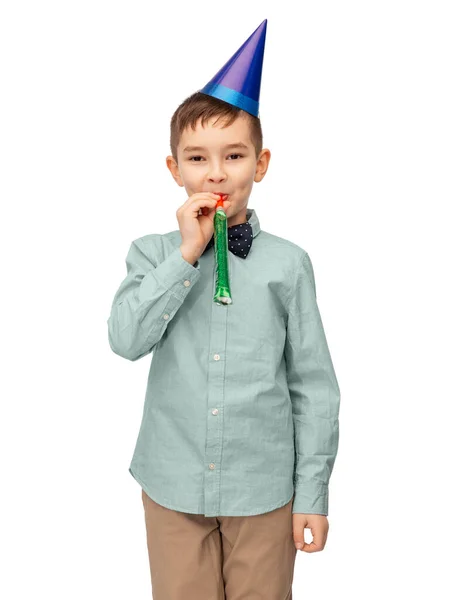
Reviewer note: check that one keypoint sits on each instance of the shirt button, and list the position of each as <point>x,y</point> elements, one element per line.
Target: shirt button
<point>211,466</point>
<point>187,283</point>
<point>215,411</point>
<point>216,357</point>
<point>166,316</point>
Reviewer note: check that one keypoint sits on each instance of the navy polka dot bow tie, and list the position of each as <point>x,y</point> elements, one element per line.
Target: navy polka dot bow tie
<point>240,238</point>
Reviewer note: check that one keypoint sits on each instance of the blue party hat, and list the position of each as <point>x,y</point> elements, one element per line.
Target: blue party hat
<point>238,81</point>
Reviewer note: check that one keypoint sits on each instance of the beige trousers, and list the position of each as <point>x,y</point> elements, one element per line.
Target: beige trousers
<point>193,557</point>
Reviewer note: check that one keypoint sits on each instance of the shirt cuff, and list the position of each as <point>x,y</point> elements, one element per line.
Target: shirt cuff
<point>311,499</point>
<point>176,274</point>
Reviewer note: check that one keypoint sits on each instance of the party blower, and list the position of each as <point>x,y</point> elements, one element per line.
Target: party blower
<point>222,287</point>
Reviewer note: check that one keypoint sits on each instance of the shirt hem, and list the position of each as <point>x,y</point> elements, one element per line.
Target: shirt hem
<point>171,506</point>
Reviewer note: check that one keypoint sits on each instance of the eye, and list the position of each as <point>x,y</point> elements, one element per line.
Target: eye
<point>192,158</point>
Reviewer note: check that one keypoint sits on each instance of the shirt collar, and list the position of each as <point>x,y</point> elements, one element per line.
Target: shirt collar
<point>253,220</point>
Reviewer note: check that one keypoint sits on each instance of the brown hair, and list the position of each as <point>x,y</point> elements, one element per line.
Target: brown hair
<point>205,107</point>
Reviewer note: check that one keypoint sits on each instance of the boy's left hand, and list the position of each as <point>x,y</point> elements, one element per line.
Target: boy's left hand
<point>318,525</point>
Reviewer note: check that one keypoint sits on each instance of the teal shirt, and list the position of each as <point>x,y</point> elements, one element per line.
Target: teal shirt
<point>242,401</point>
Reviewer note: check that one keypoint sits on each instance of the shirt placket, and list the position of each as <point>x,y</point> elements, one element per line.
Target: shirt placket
<point>215,409</point>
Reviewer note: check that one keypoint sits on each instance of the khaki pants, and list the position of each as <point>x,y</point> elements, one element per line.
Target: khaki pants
<point>193,557</point>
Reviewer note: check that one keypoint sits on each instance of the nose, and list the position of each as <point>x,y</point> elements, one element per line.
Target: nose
<point>216,173</point>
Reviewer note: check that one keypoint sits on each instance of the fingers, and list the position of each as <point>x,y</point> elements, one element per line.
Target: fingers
<point>317,544</point>
<point>199,201</point>
<point>210,211</point>
<point>318,526</point>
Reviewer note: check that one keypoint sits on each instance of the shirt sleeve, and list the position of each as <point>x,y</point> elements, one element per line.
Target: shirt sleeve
<point>147,300</point>
<point>315,396</point>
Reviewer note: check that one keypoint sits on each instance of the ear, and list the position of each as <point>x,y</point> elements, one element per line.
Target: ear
<point>172,166</point>
<point>262,164</point>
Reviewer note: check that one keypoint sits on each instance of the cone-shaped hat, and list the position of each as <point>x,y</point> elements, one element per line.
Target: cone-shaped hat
<point>238,81</point>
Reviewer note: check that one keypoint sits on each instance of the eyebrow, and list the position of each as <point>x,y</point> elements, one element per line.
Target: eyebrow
<point>235,145</point>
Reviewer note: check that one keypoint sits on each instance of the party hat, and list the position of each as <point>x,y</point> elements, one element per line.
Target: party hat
<point>238,81</point>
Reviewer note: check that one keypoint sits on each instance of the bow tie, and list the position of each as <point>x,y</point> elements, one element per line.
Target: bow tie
<point>240,238</point>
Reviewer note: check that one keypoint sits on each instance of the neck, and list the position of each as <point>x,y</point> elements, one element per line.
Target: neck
<point>237,219</point>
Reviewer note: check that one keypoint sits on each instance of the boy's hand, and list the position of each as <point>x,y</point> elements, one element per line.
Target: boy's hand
<point>318,525</point>
<point>197,229</point>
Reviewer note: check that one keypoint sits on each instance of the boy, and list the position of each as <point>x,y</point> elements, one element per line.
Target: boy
<point>239,432</point>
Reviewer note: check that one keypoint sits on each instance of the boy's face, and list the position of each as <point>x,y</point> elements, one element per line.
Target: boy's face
<point>219,168</point>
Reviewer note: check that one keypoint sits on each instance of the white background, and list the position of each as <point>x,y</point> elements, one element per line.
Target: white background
<point>354,108</point>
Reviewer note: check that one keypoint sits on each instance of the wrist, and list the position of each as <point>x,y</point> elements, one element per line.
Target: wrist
<point>188,255</point>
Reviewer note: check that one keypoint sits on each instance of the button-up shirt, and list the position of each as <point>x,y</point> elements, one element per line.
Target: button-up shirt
<point>242,401</point>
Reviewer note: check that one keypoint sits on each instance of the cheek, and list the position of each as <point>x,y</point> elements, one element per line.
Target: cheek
<point>247,182</point>
<point>243,175</point>
<point>191,177</point>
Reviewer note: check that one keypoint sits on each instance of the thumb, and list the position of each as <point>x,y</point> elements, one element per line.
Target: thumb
<point>210,212</point>
<point>298,536</point>
<point>299,542</point>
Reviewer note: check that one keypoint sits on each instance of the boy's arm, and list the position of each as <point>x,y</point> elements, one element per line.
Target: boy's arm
<point>147,300</point>
<point>314,393</point>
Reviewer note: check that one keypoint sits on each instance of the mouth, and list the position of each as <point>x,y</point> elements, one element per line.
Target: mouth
<point>223,196</point>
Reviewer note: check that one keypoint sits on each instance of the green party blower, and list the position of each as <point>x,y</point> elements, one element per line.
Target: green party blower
<point>222,287</point>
